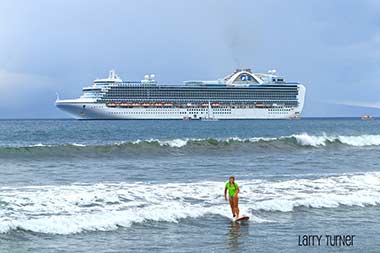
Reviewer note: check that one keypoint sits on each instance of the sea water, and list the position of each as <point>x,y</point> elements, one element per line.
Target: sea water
<point>121,186</point>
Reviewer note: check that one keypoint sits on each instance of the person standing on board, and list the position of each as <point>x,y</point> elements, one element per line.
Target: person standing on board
<point>233,190</point>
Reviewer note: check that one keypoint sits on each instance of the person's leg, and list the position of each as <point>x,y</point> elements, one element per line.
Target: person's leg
<point>236,206</point>
<point>232,206</point>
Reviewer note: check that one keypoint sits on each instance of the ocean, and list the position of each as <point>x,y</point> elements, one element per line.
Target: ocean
<point>157,186</point>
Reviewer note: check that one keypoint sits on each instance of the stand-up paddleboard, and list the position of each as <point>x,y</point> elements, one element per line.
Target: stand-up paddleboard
<point>242,218</point>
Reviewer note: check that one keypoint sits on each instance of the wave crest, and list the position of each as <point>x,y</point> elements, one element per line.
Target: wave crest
<point>324,140</point>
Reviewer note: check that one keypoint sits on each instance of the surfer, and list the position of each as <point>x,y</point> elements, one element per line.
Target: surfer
<point>233,190</point>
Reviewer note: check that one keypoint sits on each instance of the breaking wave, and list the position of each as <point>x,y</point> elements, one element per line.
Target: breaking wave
<point>191,144</point>
<point>76,208</point>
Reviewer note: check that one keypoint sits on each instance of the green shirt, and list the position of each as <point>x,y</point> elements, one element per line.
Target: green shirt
<point>232,189</point>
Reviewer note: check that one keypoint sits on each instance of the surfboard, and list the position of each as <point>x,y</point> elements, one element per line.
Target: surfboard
<point>242,218</point>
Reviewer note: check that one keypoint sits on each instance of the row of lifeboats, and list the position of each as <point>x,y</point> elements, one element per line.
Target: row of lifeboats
<point>133,104</point>
<point>162,104</point>
<point>264,105</point>
<point>212,104</point>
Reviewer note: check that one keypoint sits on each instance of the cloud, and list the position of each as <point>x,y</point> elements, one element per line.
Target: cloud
<point>375,105</point>
<point>19,88</point>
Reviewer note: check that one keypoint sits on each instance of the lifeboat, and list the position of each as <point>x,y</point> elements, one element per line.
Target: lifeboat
<point>111,104</point>
<point>215,104</point>
<point>168,104</point>
<point>259,104</point>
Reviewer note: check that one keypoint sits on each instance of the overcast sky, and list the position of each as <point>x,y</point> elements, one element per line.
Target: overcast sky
<point>333,47</point>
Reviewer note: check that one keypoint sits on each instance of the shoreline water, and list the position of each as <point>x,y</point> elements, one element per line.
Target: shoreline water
<point>142,186</point>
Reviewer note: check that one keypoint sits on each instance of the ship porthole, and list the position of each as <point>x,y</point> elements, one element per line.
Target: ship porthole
<point>84,106</point>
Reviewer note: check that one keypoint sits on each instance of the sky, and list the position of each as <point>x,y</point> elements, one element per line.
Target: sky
<point>332,47</point>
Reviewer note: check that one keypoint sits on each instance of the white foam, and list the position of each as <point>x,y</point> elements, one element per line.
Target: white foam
<point>357,141</point>
<point>310,140</point>
<point>179,143</point>
<point>360,141</point>
<point>175,143</point>
<point>106,206</point>
<point>334,191</point>
<point>38,145</point>
<point>78,144</point>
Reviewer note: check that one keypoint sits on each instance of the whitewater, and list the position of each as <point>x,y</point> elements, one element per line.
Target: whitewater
<point>106,206</point>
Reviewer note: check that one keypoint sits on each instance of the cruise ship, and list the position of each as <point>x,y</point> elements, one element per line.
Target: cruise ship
<point>242,94</point>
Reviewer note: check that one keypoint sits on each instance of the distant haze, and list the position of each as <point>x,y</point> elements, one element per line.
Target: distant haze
<point>333,47</point>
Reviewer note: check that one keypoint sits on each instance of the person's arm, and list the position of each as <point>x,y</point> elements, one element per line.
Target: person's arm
<point>225,193</point>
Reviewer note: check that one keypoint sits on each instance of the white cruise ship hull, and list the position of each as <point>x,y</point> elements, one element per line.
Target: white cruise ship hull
<point>112,99</point>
